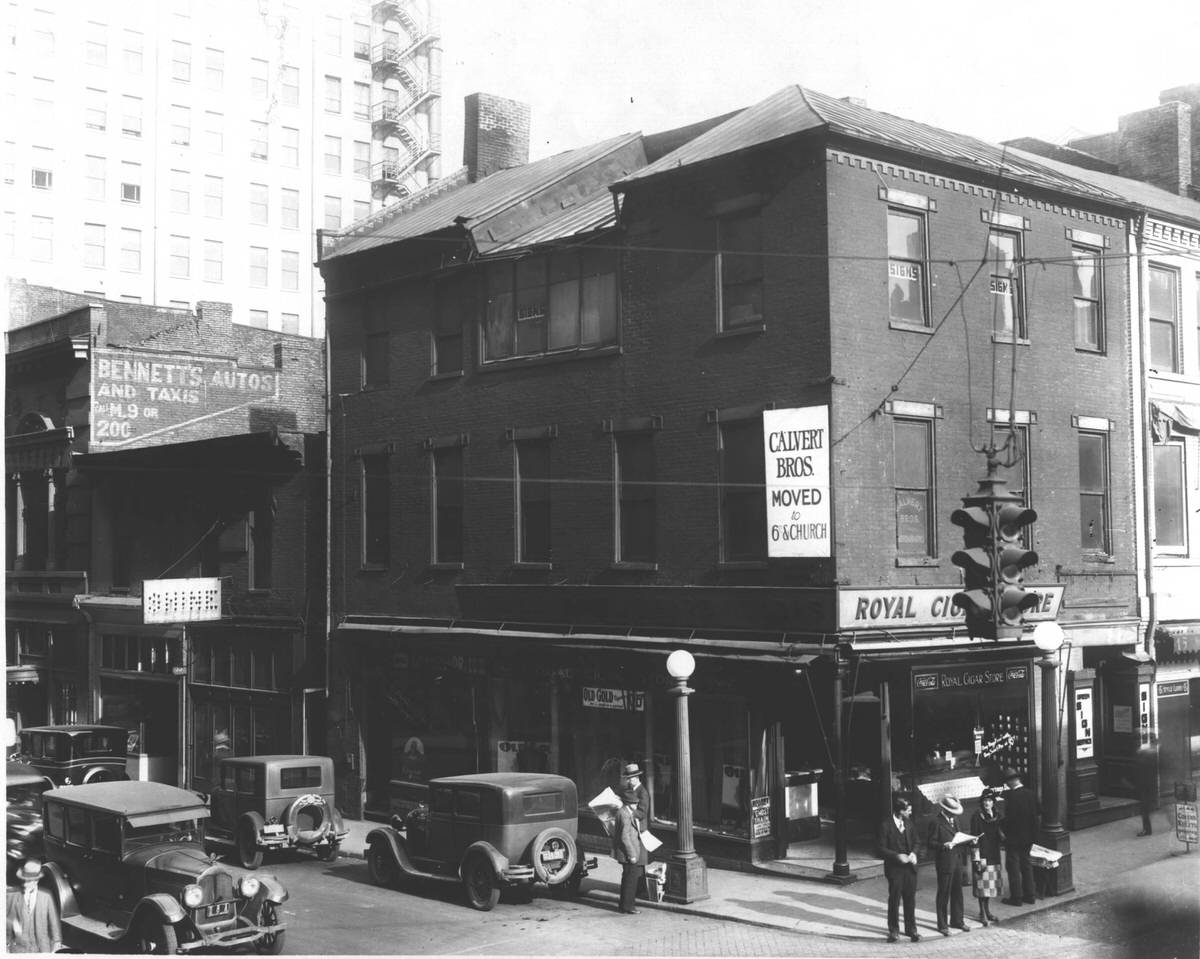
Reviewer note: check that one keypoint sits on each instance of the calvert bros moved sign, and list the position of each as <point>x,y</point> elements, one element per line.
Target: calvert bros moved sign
<point>137,396</point>
<point>923,606</point>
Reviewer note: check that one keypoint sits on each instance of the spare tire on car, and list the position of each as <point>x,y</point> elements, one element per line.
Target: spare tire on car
<point>308,818</point>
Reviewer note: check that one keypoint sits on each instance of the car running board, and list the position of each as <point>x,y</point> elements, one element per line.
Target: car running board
<point>94,927</point>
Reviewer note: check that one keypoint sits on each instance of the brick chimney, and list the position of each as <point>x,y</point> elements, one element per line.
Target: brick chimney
<point>1190,95</point>
<point>495,134</point>
<point>1155,145</point>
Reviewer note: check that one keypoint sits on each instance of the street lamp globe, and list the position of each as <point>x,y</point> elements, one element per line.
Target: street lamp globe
<point>1048,636</point>
<point>681,664</point>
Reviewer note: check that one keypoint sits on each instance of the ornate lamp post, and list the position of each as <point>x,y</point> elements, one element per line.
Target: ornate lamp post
<point>687,874</point>
<point>1048,637</point>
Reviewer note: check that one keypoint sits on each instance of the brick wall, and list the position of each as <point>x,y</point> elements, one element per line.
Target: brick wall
<point>495,134</point>
<point>1156,146</point>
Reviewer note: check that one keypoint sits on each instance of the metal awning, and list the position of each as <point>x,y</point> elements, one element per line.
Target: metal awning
<point>1180,417</point>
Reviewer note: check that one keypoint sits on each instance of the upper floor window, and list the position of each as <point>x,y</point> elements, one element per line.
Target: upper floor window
<point>181,125</point>
<point>375,365</point>
<point>453,309</point>
<point>1164,319</point>
<point>289,208</point>
<point>93,244</point>
<point>1093,492</point>
<point>1015,470</point>
<point>41,239</point>
<point>131,115</point>
<point>258,266</point>
<point>1087,289</point>
<point>181,61</point>
<point>376,510</point>
<point>912,453</point>
<point>258,139</point>
<point>262,528</point>
<point>448,505</point>
<point>258,79</point>
<point>533,501</point>
<point>289,85</point>
<point>551,303</point>
<point>134,46</point>
<point>635,499</point>
<point>214,68</point>
<point>743,503</point>
<point>333,94</point>
<point>95,44</point>
<point>1008,306</point>
<point>1170,499</point>
<point>908,256</point>
<point>95,109</point>
<point>739,270</point>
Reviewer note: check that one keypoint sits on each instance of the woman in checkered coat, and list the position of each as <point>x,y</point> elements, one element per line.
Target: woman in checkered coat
<point>986,881</point>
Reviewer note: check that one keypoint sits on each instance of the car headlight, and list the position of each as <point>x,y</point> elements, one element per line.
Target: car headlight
<point>248,886</point>
<point>193,896</point>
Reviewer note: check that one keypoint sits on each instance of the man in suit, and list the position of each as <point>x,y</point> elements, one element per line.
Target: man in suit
<point>32,917</point>
<point>898,849</point>
<point>630,853</point>
<point>1020,830</point>
<point>948,857</point>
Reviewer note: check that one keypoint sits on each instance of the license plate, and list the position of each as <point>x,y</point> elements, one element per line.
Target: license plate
<point>552,856</point>
<point>219,909</point>
<point>273,829</point>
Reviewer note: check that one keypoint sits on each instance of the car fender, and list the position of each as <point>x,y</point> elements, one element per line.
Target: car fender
<point>164,906</point>
<point>498,861</point>
<point>270,889</point>
<point>339,823</point>
<point>255,820</point>
<point>68,905</point>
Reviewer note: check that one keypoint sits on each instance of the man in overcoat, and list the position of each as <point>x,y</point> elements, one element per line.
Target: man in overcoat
<point>1020,830</point>
<point>898,849</point>
<point>630,853</point>
<point>948,858</point>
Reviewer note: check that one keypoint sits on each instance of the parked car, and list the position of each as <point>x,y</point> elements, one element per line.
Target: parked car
<point>265,803</point>
<point>70,755</point>
<point>126,862</point>
<point>490,831</point>
<point>24,786</point>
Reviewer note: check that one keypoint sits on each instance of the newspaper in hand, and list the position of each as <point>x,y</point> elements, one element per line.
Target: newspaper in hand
<point>605,807</point>
<point>961,837</point>
<point>649,840</point>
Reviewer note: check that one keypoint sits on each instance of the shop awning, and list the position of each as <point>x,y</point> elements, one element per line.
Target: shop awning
<point>1182,641</point>
<point>42,450</point>
<point>1180,417</point>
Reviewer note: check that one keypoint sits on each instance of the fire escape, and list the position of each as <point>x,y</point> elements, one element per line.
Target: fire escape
<point>406,112</point>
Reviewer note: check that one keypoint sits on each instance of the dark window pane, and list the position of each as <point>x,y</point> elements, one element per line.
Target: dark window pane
<point>375,360</point>
<point>448,493</point>
<point>376,510</point>
<point>635,479</point>
<point>1170,526</point>
<point>743,501</point>
<point>1163,351</point>
<point>533,470</point>
<point>912,453</point>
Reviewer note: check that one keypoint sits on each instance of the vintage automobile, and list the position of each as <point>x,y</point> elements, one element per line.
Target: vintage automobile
<point>24,786</point>
<point>70,755</point>
<point>264,803</point>
<point>491,831</point>
<point>126,862</point>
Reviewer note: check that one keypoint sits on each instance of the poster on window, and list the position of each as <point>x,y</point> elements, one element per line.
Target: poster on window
<point>796,447</point>
<point>1083,724</point>
<point>522,756</point>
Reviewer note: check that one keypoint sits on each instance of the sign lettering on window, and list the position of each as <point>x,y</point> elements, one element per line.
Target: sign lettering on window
<point>599,697</point>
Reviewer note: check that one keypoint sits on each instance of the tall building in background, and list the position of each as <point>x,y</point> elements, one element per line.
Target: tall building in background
<point>176,151</point>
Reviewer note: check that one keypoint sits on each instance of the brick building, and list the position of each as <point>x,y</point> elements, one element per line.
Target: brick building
<point>560,392</point>
<point>156,444</point>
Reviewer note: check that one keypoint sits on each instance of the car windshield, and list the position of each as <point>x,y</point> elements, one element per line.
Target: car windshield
<point>183,830</point>
<point>27,796</point>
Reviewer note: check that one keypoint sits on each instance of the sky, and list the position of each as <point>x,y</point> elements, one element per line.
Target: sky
<point>1053,69</point>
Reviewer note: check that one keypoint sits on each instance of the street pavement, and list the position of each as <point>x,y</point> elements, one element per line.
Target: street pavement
<point>1105,857</point>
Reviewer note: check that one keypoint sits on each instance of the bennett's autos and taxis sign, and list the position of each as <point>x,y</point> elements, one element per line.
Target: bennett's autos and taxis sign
<point>905,607</point>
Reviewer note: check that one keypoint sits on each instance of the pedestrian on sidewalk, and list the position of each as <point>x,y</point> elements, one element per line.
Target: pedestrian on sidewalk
<point>1146,771</point>
<point>948,858</point>
<point>634,791</point>
<point>32,914</point>
<point>986,881</point>
<point>630,853</point>
<point>1020,830</point>
<point>898,850</point>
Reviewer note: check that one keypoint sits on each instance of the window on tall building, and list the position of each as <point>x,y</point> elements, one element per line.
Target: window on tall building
<point>454,311</point>
<point>43,42</point>
<point>258,266</point>
<point>376,359</point>
<point>214,196</point>
<point>1170,499</point>
<point>740,270</point>
<point>376,509</point>
<point>1164,319</point>
<point>214,132</point>
<point>333,94</point>
<point>259,203</point>
<point>181,125</point>
<point>289,210</point>
<point>333,36</point>
<point>912,456</point>
<point>214,261</point>
<point>635,499</point>
<point>448,483</point>
<point>135,43</point>
<point>258,139</point>
<point>289,146</point>
<point>333,154</point>
<point>43,100</point>
<point>290,322</point>
<point>95,44</point>
<point>258,318</point>
<point>289,86</point>
<point>362,41</point>
<point>1087,289</point>
<point>214,68</point>
<point>561,302</point>
<point>131,116</point>
<point>1006,286</point>
<point>42,176</point>
<point>131,182</point>
<point>93,244</point>
<point>362,159</point>
<point>181,61</point>
<point>258,79</point>
<point>41,239</point>
<point>1093,492</point>
<point>95,109</point>
<point>8,238</point>
<point>362,101</point>
<point>1014,466</point>
<point>94,178</point>
<point>181,256</point>
<point>181,191</point>
<point>533,500</point>
<point>743,505</point>
<point>908,259</point>
<point>362,208</point>
<point>333,212</point>
<point>289,269</point>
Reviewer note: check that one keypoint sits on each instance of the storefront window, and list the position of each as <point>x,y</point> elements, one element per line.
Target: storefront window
<point>604,728</point>
<point>519,728</point>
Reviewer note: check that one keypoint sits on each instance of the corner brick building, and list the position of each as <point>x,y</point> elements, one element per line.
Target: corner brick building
<point>144,443</point>
<point>566,394</point>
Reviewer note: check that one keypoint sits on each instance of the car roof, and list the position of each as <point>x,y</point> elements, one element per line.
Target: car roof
<point>507,781</point>
<point>274,758</point>
<point>21,774</point>
<point>75,730</point>
<point>132,799</point>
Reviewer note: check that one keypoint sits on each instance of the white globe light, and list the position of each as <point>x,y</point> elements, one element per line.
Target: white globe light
<point>1048,636</point>
<point>681,664</point>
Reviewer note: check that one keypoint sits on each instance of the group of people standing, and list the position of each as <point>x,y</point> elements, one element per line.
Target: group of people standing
<point>949,846</point>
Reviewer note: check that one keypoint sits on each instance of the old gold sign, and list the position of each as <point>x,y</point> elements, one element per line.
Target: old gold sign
<point>923,607</point>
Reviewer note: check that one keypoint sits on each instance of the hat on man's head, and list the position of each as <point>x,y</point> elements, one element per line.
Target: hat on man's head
<point>629,770</point>
<point>30,869</point>
<point>951,805</point>
<point>1010,774</point>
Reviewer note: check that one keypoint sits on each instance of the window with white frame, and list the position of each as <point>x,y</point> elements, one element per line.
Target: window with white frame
<point>532,468</point>
<point>43,42</point>
<point>289,146</point>
<point>95,109</point>
<point>1005,284</point>
<point>289,208</point>
<point>376,510</point>
<point>258,318</point>
<point>1164,319</point>
<point>134,45</point>
<point>93,244</point>
<point>42,176</point>
<point>41,239</point>
<point>95,177</point>
<point>290,322</point>
<point>739,270</point>
<point>289,86</point>
<point>181,61</point>
<point>912,456</point>
<point>1094,492</point>
<point>635,498</point>
<point>181,125</point>
<point>259,203</point>
<point>1013,445</point>
<point>214,132</point>
<point>333,36</point>
<point>214,68</point>
<point>362,159</point>
<point>181,191</point>
<point>95,44</point>
<point>258,266</point>
<point>181,256</point>
<point>908,264</point>
<point>131,116</point>
<point>258,79</point>
<point>362,208</point>
<point>214,196</point>
<point>333,212</point>
<point>362,101</point>
<point>289,269</point>
<point>362,41</point>
<point>131,250</point>
<point>131,182</point>
<point>214,261</point>
<point>258,139</point>
<point>43,100</point>
<point>1088,294</point>
<point>333,94</point>
<point>333,154</point>
<point>1170,497</point>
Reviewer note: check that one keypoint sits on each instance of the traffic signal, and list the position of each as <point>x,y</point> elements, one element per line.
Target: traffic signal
<point>1012,559</point>
<point>976,561</point>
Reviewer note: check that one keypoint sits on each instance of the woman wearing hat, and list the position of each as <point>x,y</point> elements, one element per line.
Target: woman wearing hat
<point>32,918</point>
<point>948,858</point>
<point>986,882</point>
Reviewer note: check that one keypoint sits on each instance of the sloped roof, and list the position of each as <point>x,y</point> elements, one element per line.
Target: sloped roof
<point>795,110</point>
<point>473,203</point>
<point>595,213</point>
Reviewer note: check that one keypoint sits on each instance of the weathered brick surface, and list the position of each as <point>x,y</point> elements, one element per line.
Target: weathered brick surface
<point>495,134</point>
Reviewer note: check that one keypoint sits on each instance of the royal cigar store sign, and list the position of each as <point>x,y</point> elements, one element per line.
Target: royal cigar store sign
<point>137,397</point>
<point>865,609</point>
<point>796,444</point>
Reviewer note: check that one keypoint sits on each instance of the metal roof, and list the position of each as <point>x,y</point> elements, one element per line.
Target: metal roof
<point>795,110</point>
<point>132,798</point>
<point>472,203</point>
<point>595,213</point>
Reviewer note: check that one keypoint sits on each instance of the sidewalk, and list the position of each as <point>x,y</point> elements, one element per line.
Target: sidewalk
<point>801,900</point>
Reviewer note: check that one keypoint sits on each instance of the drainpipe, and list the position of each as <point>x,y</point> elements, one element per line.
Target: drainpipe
<point>1147,438</point>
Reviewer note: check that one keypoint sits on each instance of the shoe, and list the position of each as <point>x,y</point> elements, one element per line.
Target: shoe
<point>1011,902</point>
<point>982,920</point>
<point>1030,901</point>
<point>962,928</point>
<point>944,930</point>
<point>1145,832</point>
<point>893,937</point>
<point>914,936</point>
<point>993,919</point>
<point>628,912</point>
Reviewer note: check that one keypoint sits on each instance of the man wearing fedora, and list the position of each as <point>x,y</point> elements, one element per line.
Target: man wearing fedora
<point>1020,830</point>
<point>634,791</point>
<point>33,924</point>
<point>948,858</point>
<point>627,849</point>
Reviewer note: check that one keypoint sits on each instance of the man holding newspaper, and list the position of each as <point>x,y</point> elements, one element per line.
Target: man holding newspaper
<point>947,844</point>
<point>625,821</point>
